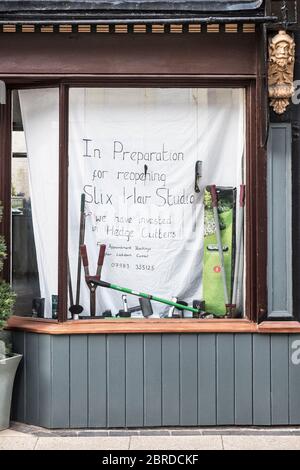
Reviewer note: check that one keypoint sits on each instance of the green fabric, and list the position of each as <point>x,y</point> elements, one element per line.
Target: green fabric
<point>213,291</point>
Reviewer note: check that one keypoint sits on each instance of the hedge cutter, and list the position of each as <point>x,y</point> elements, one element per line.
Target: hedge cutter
<point>92,280</point>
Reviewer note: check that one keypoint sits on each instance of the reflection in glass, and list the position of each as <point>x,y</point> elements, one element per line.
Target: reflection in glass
<point>34,188</point>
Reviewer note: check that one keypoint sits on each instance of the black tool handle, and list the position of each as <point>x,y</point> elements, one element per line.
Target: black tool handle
<point>81,242</point>
<point>198,174</point>
<point>99,283</point>
<point>93,302</point>
<point>137,308</point>
<point>70,284</point>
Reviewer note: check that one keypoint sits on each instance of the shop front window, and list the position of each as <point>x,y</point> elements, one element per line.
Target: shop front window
<point>155,202</point>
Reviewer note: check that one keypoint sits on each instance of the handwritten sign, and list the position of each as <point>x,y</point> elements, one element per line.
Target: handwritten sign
<point>133,155</point>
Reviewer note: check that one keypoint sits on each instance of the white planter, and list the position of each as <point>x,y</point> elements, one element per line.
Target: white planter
<point>8,368</point>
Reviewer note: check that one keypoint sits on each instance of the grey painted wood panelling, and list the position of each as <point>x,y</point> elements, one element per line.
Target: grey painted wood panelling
<point>60,382</point>
<point>170,380</point>
<point>188,361</point>
<point>157,380</point>
<point>32,378</point>
<point>225,379</point>
<point>116,389</point>
<point>78,381</point>
<point>261,380</point>
<point>134,381</point>
<point>294,379</point>
<point>243,380</point>
<point>44,380</point>
<point>152,380</point>
<point>280,221</point>
<point>97,383</point>
<point>19,392</point>
<point>280,379</point>
<point>207,384</point>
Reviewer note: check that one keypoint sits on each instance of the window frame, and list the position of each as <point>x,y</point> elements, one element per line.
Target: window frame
<point>255,158</point>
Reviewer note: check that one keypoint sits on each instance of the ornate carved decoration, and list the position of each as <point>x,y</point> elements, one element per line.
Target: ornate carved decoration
<point>281,71</point>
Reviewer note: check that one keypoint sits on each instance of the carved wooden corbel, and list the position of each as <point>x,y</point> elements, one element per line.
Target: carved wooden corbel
<point>281,71</point>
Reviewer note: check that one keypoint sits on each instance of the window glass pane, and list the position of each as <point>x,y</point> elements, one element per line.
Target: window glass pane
<point>132,155</point>
<point>35,201</point>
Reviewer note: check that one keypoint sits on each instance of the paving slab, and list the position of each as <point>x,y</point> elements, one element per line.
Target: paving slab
<point>261,442</point>
<point>176,443</point>
<point>18,443</point>
<point>13,432</point>
<point>155,432</point>
<point>82,443</point>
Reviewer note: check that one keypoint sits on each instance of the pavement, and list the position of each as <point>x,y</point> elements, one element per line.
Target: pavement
<point>23,437</point>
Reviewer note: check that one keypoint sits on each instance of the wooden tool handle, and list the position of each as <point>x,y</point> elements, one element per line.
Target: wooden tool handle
<point>101,255</point>
<point>214,197</point>
<point>242,195</point>
<point>84,255</point>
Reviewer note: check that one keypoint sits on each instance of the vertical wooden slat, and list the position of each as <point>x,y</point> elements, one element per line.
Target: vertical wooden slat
<point>32,382</point>
<point>97,387</point>
<point>78,381</point>
<point>279,379</point>
<point>294,379</point>
<point>5,179</point>
<point>134,380</point>
<point>152,380</point>
<point>60,382</point>
<point>243,379</point>
<point>280,294</point>
<point>170,380</point>
<point>44,379</point>
<point>188,380</point>
<point>19,391</point>
<point>116,393</point>
<point>261,380</point>
<point>207,412</point>
<point>63,203</point>
<point>225,379</point>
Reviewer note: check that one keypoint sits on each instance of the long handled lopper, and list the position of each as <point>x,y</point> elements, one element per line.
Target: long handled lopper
<point>214,197</point>
<point>92,280</point>
<point>238,268</point>
<point>76,308</point>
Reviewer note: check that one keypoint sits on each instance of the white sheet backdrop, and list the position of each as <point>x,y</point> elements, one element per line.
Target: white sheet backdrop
<point>153,229</point>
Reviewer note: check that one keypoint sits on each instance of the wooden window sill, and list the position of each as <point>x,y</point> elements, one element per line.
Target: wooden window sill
<point>279,327</point>
<point>119,326</point>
